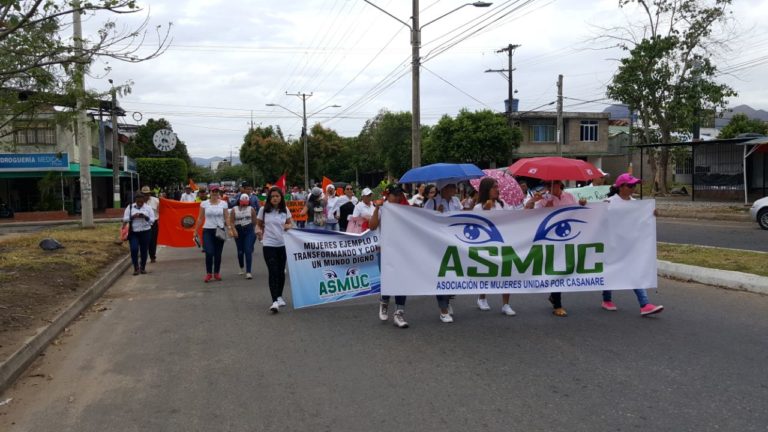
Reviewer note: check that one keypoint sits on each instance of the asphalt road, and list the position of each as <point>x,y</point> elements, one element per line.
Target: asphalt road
<point>170,353</point>
<point>726,234</point>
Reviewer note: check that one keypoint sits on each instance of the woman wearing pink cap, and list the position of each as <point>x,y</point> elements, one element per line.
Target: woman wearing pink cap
<point>621,194</point>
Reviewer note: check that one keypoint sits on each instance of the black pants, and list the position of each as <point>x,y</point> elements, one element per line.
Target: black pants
<point>275,258</point>
<point>556,299</point>
<point>153,241</point>
<point>139,240</point>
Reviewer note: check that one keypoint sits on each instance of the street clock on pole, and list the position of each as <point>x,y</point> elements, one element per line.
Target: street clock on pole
<point>164,140</point>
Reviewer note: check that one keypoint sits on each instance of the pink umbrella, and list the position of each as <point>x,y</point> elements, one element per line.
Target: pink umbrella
<point>509,190</point>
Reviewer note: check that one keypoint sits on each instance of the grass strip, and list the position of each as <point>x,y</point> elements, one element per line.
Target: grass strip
<point>715,258</point>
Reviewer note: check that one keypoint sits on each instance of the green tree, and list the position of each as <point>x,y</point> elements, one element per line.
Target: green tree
<point>668,75</point>
<point>163,172</point>
<point>740,124</point>
<point>388,136</point>
<point>141,145</point>
<point>481,137</point>
<point>37,61</point>
<point>265,151</point>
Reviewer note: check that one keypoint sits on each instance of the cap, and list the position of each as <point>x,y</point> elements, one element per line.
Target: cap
<point>366,192</point>
<point>443,183</point>
<point>316,191</point>
<point>187,187</point>
<point>331,187</point>
<point>394,189</point>
<point>626,178</point>
<point>145,190</point>
<point>214,189</point>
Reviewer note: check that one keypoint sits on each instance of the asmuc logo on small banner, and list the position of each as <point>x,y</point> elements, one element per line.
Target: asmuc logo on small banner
<point>554,258</point>
<point>332,284</point>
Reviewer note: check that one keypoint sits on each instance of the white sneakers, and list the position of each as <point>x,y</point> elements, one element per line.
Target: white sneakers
<point>248,276</point>
<point>446,318</point>
<point>275,308</point>
<point>383,311</point>
<point>280,302</point>
<point>241,272</point>
<point>482,303</point>
<point>399,320</point>
<point>507,310</point>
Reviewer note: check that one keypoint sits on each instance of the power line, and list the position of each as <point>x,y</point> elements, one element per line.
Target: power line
<point>460,90</point>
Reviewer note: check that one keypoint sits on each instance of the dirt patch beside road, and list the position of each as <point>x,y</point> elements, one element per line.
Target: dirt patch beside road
<point>35,284</point>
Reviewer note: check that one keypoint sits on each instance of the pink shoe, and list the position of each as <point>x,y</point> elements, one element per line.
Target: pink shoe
<point>217,276</point>
<point>650,309</point>
<point>609,306</point>
<point>208,278</point>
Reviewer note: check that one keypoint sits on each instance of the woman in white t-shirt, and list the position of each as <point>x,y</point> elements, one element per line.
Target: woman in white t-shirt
<point>214,212</point>
<point>272,221</point>
<point>331,209</point>
<point>621,193</point>
<point>241,218</point>
<point>488,199</point>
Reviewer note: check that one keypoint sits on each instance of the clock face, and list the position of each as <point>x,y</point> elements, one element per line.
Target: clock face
<point>164,140</point>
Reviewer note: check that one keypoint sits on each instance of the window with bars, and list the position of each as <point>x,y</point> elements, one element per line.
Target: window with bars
<point>588,130</point>
<point>41,135</point>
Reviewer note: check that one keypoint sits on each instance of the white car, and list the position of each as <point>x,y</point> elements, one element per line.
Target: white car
<point>759,212</point>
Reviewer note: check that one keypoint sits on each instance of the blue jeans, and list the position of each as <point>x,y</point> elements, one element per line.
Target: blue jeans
<point>245,240</point>
<point>443,301</point>
<point>139,241</point>
<point>642,296</point>
<point>213,248</point>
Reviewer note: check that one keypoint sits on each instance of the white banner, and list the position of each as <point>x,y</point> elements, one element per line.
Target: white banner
<point>575,248</point>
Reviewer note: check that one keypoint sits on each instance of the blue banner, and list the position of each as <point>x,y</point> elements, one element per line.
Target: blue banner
<point>329,266</point>
<point>19,162</point>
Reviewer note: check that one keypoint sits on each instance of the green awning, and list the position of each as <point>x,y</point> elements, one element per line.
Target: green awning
<point>73,171</point>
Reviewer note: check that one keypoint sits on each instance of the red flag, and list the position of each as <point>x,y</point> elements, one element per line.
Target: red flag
<point>281,182</point>
<point>326,182</point>
<point>176,227</point>
<point>192,185</point>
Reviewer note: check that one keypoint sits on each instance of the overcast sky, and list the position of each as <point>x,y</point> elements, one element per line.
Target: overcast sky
<point>230,58</point>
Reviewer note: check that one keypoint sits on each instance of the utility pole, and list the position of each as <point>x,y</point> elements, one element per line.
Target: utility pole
<point>304,97</point>
<point>86,197</point>
<point>115,152</point>
<point>415,88</point>
<point>560,134</point>
<point>510,49</point>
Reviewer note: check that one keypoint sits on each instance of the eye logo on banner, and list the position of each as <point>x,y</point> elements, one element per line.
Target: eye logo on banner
<point>332,285</point>
<point>562,229</point>
<point>474,232</point>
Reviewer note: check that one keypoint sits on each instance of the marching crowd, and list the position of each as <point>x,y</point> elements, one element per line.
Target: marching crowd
<point>242,217</point>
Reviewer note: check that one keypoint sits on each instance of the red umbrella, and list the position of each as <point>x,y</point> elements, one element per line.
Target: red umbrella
<point>551,168</point>
<point>509,190</point>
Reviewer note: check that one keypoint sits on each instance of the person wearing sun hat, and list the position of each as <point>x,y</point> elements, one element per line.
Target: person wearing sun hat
<point>154,203</point>
<point>623,188</point>
<point>364,208</point>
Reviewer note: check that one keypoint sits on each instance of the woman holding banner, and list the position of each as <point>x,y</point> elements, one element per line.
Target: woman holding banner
<point>622,191</point>
<point>272,221</point>
<point>445,202</point>
<point>488,199</point>
<point>394,196</point>
<point>242,218</point>
<point>214,212</point>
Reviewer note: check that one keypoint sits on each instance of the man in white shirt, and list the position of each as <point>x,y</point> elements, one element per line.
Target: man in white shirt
<point>154,203</point>
<point>447,200</point>
<point>188,195</point>
<point>140,218</point>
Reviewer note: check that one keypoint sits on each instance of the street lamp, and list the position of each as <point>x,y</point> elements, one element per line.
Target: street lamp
<point>415,66</point>
<point>303,116</point>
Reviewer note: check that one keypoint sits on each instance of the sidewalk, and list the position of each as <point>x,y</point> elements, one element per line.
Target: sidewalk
<point>682,207</point>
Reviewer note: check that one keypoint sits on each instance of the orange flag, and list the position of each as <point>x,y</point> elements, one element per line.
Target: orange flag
<point>177,223</point>
<point>326,182</point>
<point>193,185</point>
<point>281,182</point>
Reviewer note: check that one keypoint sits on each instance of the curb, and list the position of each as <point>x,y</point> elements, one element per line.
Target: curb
<point>18,362</point>
<point>721,278</point>
<point>55,222</point>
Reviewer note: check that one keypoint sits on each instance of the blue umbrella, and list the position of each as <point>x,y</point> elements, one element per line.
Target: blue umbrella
<point>444,172</point>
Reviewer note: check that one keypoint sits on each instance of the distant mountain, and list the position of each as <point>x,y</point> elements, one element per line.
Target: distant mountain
<point>618,112</point>
<point>206,162</point>
<point>741,109</point>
